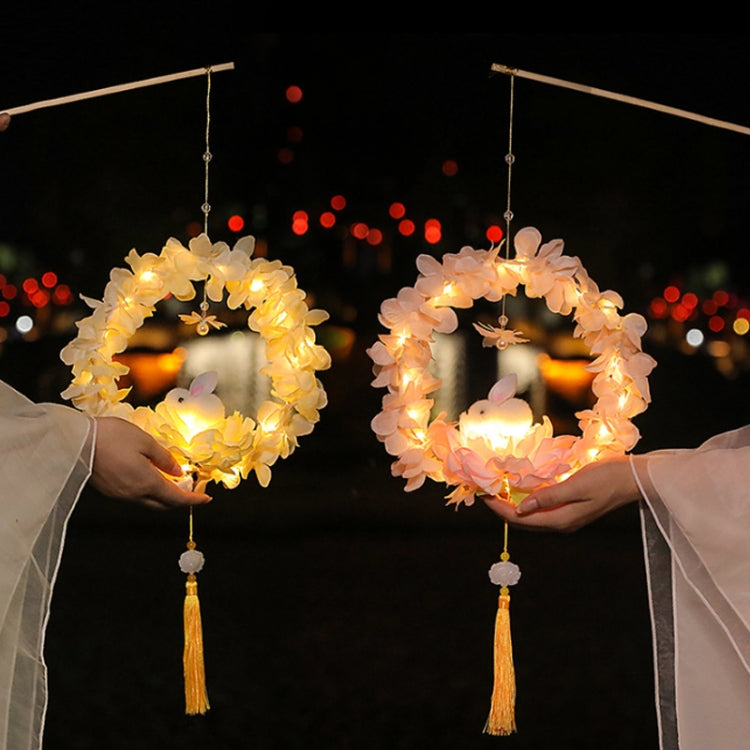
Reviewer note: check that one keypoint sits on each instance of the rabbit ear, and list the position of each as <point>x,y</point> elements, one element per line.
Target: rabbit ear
<point>504,389</point>
<point>204,383</point>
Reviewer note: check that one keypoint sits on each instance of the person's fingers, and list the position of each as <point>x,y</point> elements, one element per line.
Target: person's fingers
<point>161,458</point>
<point>561,519</point>
<point>4,121</point>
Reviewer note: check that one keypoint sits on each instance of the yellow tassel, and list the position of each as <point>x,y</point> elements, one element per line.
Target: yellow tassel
<point>196,697</point>
<point>502,720</point>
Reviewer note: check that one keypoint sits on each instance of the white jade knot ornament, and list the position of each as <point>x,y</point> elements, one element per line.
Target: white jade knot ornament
<point>505,573</point>
<point>191,561</point>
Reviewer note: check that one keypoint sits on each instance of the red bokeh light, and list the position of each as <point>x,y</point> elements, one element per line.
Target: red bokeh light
<point>432,231</point>
<point>30,285</point>
<point>658,307</point>
<point>293,94</point>
<point>327,219</point>
<point>62,295</point>
<point>406,227</point>
<point>49,279</point>
<point>286,155</point>
<point>450,168</point>
<point>9,291</point>
<point>720,297</point>
<point>338,202</point>
<point>374,237</point>
<point>397,210</point>
<point>716,323</point>
<point>709,307</point>
<point>236,223</point>
<point>294,134</point>
<point>494,233</point>
<point>680,313</point>
<point>359,230</point>
<point>671,293</point>
<point>300,223</point>
<point>690,300</point>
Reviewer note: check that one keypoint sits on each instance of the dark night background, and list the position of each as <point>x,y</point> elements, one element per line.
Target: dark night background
<point>340,612</point>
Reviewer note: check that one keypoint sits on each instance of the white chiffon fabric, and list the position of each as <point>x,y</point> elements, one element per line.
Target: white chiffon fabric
<point>46,451</point>
<point>696,533</point>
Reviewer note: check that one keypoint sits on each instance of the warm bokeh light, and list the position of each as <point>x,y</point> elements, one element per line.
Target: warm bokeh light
<point>286,155</point>
<point>450,168</point>
<point>338,203</point>
<point>62,295</point>
<point>721,297</point>
<point>359,230</point>
<point>293,94</point>
<point>194,228</point>
<point>397,210</point>
<point>689,300</point>
<point>741,326</point>
<point>236,223</point>
<point>294,134</point>
<point>30,285</point>
<point>716,323</point>
<point>494,233</point>
<point>671,293</point>
<point>658,307</point>
<point>406,227</point>
<point>709,307</point>
<point>300,222</point>
<point>374,237</point>
<point>327,219</point>
<point>4,308</point>
<point>49,279</point>
<point>432,231</point>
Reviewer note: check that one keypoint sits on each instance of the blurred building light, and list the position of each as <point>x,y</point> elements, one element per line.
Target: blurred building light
<point>293,94</point>
<point>397,210</point>
<point>406,227</point>
<point>741,326</point>
<point>671,293</point>
<point>494,233</point>
<point>716,323</point>
<point>327,219</point>
<point>450,168</point>
<point>236,223</point>
<point>432,231</point>
<point>24,324</point>
<point>694,337</point>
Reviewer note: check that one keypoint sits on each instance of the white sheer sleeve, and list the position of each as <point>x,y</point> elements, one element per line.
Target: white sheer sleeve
<point>46,452</point>
<point>696,531</point>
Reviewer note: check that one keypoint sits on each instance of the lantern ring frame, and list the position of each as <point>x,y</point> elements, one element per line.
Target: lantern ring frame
<point>431,448</point>
<point>278,312</point>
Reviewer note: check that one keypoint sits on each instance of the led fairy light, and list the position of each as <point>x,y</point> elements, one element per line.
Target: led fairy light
<point>495,448</point>
<point>192,423</point>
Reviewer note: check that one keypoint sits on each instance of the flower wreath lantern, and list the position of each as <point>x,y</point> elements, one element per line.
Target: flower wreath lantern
<point>192,423</point>
<point>495,448</point>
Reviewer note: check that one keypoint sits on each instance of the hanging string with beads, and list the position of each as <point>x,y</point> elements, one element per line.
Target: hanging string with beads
<point>191,561</point>
<point>203,326</point>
